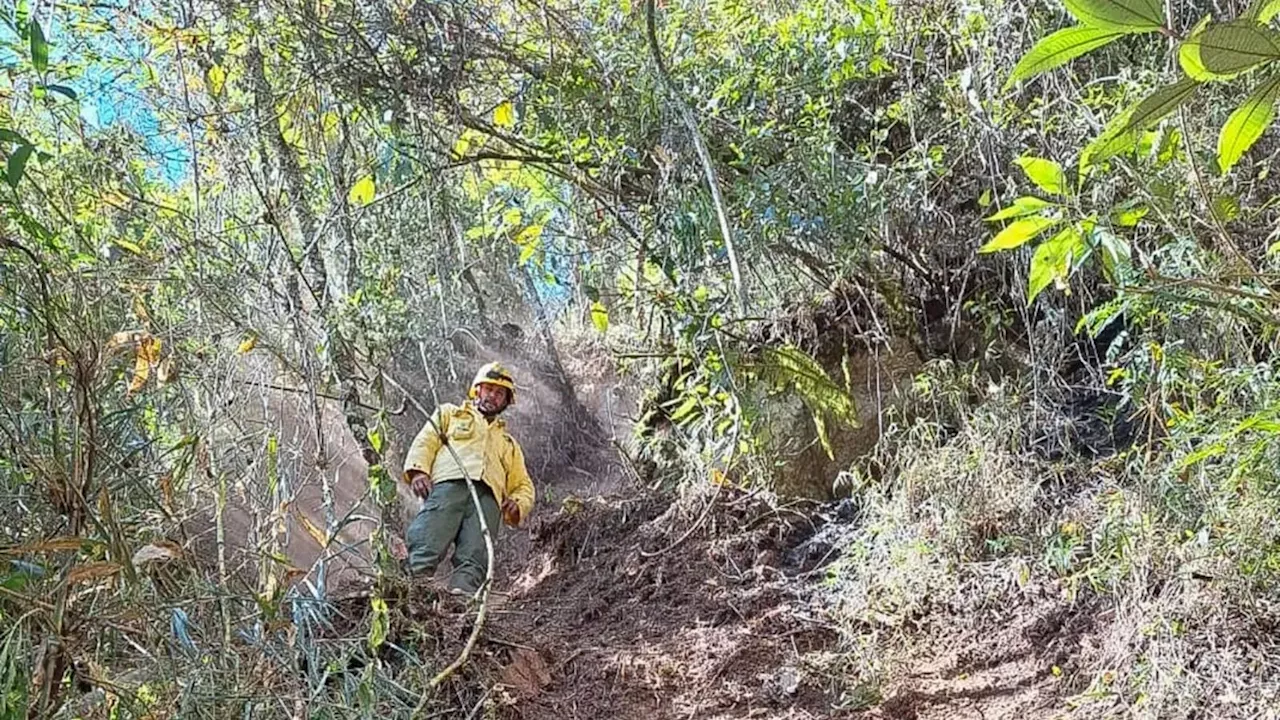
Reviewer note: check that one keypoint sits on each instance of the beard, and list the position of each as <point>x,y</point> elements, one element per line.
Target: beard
<point>491,409</point>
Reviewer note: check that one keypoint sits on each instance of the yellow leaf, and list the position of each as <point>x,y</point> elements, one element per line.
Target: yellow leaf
<point>149,348</point>
<point>330,122</point>
<point>217,78</point>
<point>600,316</point>
<point>247,344</point>
<point>504,115</point>
<point>363,191</point>
<point>529,235</point>
<point>147,355</point>
<point>512,217</point>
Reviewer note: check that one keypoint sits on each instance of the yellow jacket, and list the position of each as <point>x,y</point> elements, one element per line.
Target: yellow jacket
<point>487,453</point>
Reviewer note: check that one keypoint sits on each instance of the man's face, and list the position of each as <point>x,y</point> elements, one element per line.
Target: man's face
<point>491,399</point>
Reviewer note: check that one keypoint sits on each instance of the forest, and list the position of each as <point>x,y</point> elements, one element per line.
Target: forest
<point>903,359</point>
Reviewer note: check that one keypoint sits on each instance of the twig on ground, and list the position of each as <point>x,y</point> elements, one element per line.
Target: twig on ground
<point>480,703</point>
<point>692,529</point>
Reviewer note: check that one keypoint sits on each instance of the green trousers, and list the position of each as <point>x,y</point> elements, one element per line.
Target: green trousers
<point>449,516</point>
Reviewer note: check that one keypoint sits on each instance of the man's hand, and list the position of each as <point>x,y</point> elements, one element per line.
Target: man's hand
<point>420,482</point>
<point>510,512</point>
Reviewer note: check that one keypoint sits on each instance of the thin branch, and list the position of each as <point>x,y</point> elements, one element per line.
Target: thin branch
<point>704,156</point>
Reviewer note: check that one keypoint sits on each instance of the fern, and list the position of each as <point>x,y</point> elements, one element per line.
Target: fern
<point>789,366</point>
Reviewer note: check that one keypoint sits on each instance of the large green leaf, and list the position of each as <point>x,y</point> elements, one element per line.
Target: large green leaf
<point>1018,233</point>
<point>1046,174</point>
<point>1189,55</point>
<point>17,164</point>
<point>1027,205</point>
<point>1053,260</point>
<point>39,48</point>
<point>1122,132</point>
<point>1263,10</point>
<point>1223,51</point>
<point>1127,16</point>
<point>1247,123</point>
<point>1059,48</point>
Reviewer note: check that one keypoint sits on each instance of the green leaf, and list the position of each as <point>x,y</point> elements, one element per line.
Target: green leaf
<point>600,316</point>
<point>1123,131</point>
<point>1129,217</point>
<point>379,623</point>
<point>17,164</point>
<point>1189,54</point>
<point>7,135</point>
<point>1027,205</point>
<point>1018,233</point>
<point>1223,51</point>
<point>1126,16</point>
<point>689,405</point>
<point>1225,208</point>
<point>21,14</point>
<point>1053,260</point>
<point>39,48</point>
<point>128,245</point>
<point>362,192</point>
<point>1046,174</point>
<point>63,90</point>
<point>1247,123</point>
<point>1058,49</point>
<point>1263,10</point>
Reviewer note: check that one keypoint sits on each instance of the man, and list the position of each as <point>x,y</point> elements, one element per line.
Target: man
<point>460,443</point>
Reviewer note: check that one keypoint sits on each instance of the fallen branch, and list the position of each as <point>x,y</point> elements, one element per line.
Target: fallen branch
<point>461,660</point>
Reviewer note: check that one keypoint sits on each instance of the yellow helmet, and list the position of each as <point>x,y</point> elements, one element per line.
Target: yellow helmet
<point>494,374</point>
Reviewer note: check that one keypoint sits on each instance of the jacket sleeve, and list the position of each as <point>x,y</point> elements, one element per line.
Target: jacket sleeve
<point>422,453</point>
<point>519,486</point>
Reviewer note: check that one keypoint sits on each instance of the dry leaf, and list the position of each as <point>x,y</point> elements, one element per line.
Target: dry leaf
<point>527,674</point>
<point>166,490</point>
<point>91,571</point>
<point>125,338</point>
<point>148,354</point>
<point>314,531</point>
<point>52,545</point>
<point>293,574</point>
<point>157,551</point>
<point>168,370</point>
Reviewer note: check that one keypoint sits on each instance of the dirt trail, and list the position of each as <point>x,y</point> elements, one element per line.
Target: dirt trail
<point>615,603</point>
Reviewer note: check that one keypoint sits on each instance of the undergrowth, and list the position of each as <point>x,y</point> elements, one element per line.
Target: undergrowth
<point>1174,561</point>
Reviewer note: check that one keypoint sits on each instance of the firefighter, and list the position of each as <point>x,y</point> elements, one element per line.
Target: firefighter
<point>461,444</point>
